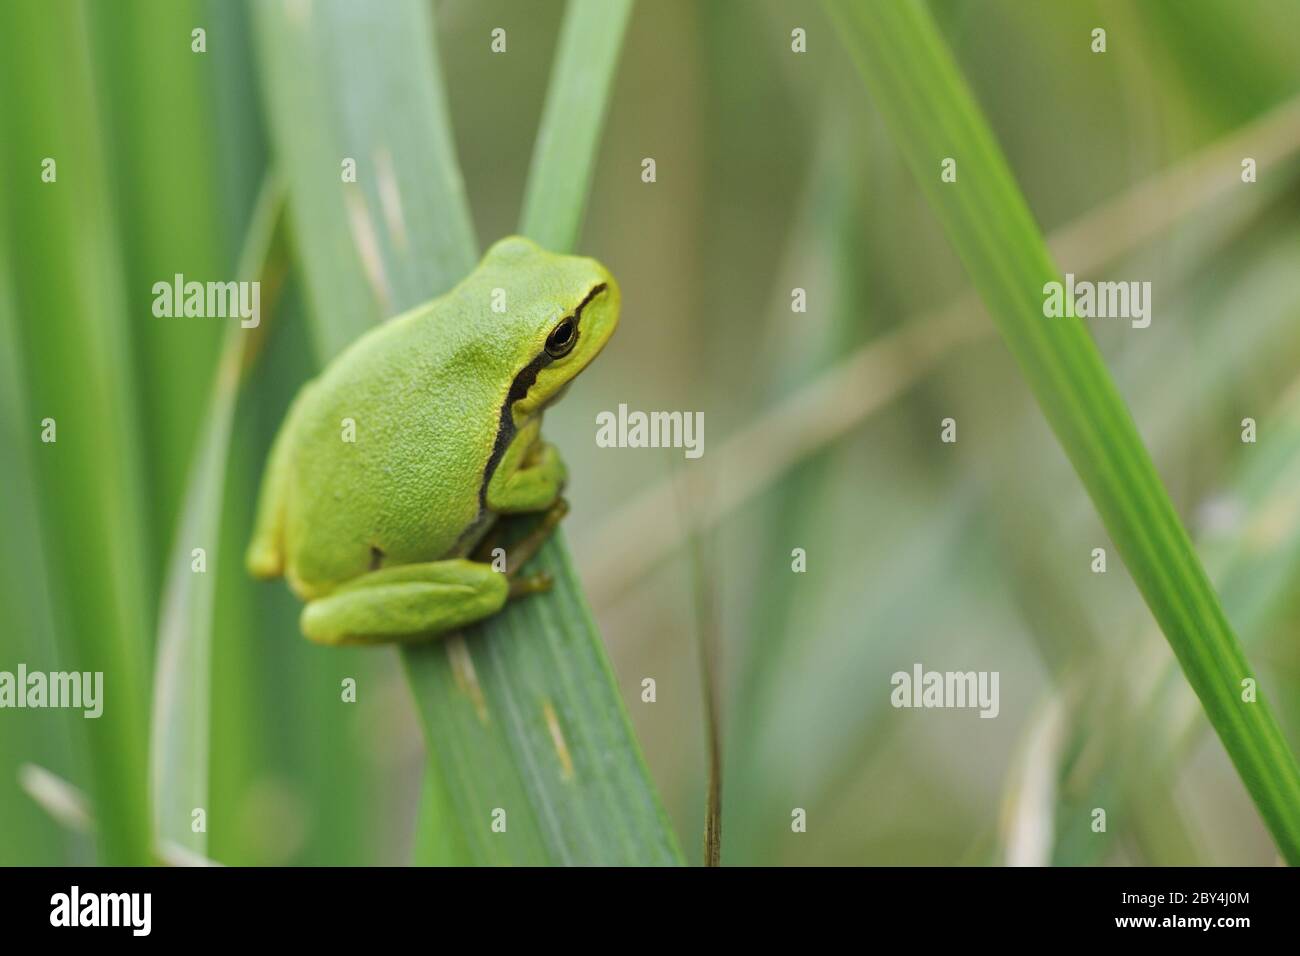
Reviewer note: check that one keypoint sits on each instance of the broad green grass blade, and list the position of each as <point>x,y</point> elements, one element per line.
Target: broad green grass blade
<point>76,332</point>
<point>926,102</point>
<point>560,745</point>
<point>528,719</point>
<point>523,714</point>
<point>352,85</point>
<point>181,720</point>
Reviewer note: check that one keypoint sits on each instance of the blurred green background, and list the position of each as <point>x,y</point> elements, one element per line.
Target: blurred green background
<point>774,171</point>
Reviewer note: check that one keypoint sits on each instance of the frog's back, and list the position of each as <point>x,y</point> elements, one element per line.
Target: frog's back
<point>389,454</point>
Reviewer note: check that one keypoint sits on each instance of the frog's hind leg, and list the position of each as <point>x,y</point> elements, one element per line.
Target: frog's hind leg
<point>406,603</point>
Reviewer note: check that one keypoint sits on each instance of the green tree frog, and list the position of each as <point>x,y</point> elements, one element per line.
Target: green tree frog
<point>391,468</point>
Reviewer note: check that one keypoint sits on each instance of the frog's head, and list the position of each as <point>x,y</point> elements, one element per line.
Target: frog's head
<point>572,310</point>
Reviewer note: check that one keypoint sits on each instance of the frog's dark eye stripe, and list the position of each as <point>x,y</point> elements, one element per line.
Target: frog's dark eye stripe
<point>597,290</point>
<point>523,381</point>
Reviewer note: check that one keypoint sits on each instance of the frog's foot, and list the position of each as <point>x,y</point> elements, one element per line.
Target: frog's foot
<point>522,551</point>
<point>407,603</point>
<point>529,477</point>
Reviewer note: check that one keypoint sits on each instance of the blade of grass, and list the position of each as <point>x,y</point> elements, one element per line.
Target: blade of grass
<point>576,760</point>
<point>27,597</point>
<point>327,97</point>
<point>565,152</point>
<point>559,180</point>
<point>1250,275</point>
<point>179,746</point>
<point>1258,571</point>
<point>926,102</point>
<point>67,271</point>
<point>756,455</point>
<point>522,714</point>
<point>703,587</point>
<point>1059,632</point>
<point>343,83</point>
<point>164,160</point>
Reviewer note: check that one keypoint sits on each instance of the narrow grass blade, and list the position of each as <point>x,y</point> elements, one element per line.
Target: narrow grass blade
<point>565,152</point>
<point>703,586</point>
<point>832,404</point>
<point>523,714</point>
<point>598,764</point>
<point>1258,572</point>
<point>933,115</point>
<point>181,724</point>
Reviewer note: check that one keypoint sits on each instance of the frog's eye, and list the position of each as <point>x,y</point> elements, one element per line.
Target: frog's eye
<point>562,338</point>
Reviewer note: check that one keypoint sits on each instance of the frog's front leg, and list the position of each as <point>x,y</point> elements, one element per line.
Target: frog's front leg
<point>530,475</point>
<point>407,603</point>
